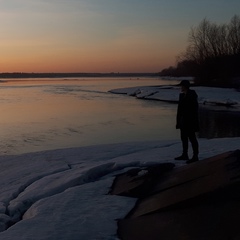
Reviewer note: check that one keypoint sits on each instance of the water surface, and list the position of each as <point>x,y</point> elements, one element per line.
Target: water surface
<point>44,114</point>
<point>57,113</point>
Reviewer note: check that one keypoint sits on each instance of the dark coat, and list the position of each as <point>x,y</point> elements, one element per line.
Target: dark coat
<point>187,112</point>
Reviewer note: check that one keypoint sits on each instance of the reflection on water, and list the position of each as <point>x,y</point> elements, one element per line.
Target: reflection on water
<point>55,114</point>
<point>218,123</point>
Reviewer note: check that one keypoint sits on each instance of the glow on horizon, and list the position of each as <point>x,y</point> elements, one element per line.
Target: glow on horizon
<point>100,36</point>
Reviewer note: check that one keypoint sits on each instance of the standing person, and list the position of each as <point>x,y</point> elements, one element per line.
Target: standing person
<point>187,121</point>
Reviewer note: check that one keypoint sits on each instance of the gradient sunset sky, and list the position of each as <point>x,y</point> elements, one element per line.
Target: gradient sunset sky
<point>101,35</point>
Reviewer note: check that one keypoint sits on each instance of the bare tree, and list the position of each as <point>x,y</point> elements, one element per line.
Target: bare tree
<point>198,41</point>
<point>234,35</point>
<point>208,40</point>
<point>212,54</point>
<point>215,49</point>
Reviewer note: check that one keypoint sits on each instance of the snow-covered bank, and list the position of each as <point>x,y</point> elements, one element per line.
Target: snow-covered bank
<point>207,95</point>
<point>62,194</point>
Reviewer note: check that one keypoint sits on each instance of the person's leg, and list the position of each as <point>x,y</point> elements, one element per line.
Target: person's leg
<point>195,146</point>
<point>184,139</point>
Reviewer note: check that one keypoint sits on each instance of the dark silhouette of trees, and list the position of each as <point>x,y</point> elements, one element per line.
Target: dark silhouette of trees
<point>213,53</point>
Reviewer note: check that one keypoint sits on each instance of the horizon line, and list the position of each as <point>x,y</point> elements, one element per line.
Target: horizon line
<point>73,74</point>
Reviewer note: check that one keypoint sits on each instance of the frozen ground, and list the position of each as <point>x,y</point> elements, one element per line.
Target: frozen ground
<point>63,194</point>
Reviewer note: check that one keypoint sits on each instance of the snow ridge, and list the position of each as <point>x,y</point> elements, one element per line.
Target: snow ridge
<point>207,95</point>
<point>53,184</point>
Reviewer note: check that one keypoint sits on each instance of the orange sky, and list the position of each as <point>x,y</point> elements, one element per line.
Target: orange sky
<point>94,36</point>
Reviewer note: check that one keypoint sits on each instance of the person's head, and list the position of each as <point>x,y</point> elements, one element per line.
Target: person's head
<point>185,84</point>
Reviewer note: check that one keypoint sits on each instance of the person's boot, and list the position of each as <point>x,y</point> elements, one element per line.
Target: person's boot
<point>193,159</point>
<point>184,156</point>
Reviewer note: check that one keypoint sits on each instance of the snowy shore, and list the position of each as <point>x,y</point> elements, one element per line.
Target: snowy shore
<point>63,194</point>
<point>206,95</point>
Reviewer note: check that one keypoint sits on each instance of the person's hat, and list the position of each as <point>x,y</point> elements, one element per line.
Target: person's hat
<point>185,83</point>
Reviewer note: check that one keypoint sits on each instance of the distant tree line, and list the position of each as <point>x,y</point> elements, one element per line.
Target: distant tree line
<point>212,55</point>
<point>6,75</point>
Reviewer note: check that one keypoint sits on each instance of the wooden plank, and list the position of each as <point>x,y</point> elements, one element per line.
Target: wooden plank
<point>134,184</point>
<point>204,177</point>
<point>198,201</point>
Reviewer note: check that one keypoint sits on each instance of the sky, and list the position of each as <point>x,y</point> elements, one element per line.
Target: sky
<point>101,35</point>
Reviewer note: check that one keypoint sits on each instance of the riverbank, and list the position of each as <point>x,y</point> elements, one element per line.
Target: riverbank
<point>63,194</point>
<point>226,97</point>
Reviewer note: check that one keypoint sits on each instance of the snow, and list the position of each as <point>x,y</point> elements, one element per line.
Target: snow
<point>207,95</point>
<point>63,194</point>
